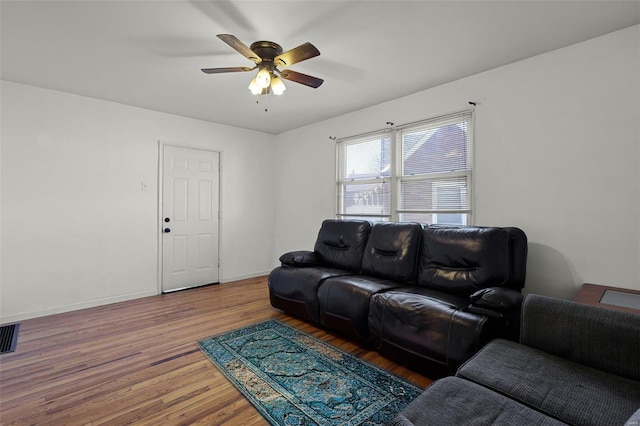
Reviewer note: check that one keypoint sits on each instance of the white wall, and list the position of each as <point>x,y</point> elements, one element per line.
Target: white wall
<point>78,231</point>
<point>556,154</point>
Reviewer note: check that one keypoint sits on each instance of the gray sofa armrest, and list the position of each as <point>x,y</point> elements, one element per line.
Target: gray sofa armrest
<point>600,338</point>
<point>300,259</point>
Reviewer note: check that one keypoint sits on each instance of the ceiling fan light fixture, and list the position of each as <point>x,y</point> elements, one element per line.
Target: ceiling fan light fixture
<point>277,86</point>
<point>255,89</point>
<point>263,79</point>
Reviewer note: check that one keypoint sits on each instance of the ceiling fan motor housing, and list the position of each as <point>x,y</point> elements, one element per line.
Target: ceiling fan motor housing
<point>268,55</point>
<point>267,50</point>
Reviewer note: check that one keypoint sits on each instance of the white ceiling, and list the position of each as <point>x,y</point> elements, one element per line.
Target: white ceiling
<point>149,53</point>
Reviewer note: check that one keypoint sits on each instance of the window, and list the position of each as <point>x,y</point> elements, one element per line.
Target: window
<point>365,178</point>
<point>415,173</point>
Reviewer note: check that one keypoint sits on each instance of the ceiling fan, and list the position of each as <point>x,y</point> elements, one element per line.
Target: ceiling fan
<point>268,56</point>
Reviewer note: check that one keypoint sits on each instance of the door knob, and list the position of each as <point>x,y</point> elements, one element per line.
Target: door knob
<point>167,230</point>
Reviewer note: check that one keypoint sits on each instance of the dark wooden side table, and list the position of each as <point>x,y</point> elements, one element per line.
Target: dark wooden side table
<point>621,299</point>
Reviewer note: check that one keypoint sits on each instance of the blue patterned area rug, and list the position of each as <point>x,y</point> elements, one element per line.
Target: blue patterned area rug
<point>295,379</point>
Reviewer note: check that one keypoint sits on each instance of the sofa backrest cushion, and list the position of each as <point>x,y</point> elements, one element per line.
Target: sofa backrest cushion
<point>392,251</point>
<point>601,338</point>
<point>465,259</point>
<point>341,243</point>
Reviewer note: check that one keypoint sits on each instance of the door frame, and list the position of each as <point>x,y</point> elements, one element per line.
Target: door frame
<point>160,216</point>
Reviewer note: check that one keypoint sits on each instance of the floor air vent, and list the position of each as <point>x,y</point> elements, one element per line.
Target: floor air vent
<point>8,338</point>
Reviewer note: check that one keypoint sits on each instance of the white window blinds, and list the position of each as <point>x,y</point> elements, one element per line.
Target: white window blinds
<point>364,177</point>
<point>435,175</point>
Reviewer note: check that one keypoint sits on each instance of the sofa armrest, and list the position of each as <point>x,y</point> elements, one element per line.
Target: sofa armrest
<point>496,299</point>
<point>601,338</point>
<point>503,305</point>
<point>300,259</point>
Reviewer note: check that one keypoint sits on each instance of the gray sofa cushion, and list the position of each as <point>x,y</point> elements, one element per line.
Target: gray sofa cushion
<point>571,392</point>
<point>584,334</point>
<point>453,401</point>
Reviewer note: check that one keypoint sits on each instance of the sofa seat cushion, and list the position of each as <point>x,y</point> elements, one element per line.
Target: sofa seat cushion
<point>570,392</point>
<point>454,401</point>
<point>295,290</point>
<point>427,325</point>
<point>344,303</point>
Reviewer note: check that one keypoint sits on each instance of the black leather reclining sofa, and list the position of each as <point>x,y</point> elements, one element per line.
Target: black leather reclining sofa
<point>427,297</point>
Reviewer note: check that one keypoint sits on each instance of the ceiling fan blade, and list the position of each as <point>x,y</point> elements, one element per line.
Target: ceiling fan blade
<point>297,54</point>
<point>244,50</point>
<point>228,69</point>
<point>305,79</point>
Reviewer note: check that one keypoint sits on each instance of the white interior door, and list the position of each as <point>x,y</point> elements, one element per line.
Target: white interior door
<point>190,218</point>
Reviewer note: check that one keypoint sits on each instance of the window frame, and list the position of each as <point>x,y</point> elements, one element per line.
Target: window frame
<point>396,176</point>
<point>344,181</point>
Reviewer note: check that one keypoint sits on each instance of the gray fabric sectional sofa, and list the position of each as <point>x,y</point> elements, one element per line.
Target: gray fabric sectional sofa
<point>575,364</point>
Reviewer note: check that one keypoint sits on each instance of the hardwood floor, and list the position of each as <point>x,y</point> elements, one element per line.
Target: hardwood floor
<point>137,362</point>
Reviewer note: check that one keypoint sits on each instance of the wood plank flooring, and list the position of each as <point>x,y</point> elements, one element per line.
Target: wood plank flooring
<point>137,362</point>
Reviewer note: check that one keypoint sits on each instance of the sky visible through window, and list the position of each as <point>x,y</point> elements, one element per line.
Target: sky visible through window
<point>367,159</point>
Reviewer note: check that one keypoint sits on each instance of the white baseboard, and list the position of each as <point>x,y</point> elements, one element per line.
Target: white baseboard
<point>5,319</point>
<point>244,276</point>
<point>74,307</point>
